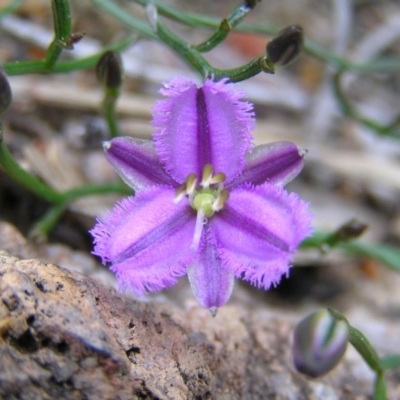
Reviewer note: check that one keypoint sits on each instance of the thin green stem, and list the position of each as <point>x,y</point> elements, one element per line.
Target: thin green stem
<point>24,178</point>
<point>226,25</point>
<point>42,227</point>
<point>52,54</point>
<point>318,51</point>
<point>62,32</point>
<point>368,353</point>
<point>109,110</point>
<point>246,71</point>
<point>190,54</point>
<point>28,67</point>
<point>187,52</point>
<point>53,215</point>
<point>349,110</point>
<point>128,20</point>
<point>62,22</point>
<point>380,386</point>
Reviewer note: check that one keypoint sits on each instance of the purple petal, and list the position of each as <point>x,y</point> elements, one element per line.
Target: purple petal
<point>259,230</point>
<point>211,283</point>
<point>276,163</point>
<point>147,238</point>
<point>136,162</point>
<point>198,126</point>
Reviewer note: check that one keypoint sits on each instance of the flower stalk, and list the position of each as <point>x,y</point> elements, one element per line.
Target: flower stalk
<point>110,75</point>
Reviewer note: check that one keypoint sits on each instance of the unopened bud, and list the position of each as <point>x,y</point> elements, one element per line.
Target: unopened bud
<point>285,46</point>
<point>351,230</point>
<point>319,343</point>
<point>109,70</point>
<point>5,92</point>
<point>251,3</point>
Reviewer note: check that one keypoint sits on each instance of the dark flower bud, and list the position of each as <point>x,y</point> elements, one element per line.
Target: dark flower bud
<point>251,3</point>
<point>319,343</point>
<point>5,92</point>
<point>285,46</point>
<point>351,230</point>
<point>109,70</point>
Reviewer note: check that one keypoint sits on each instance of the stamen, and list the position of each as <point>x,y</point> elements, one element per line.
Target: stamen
<point>197,230</point>
<point>220,201</point>
<point>218,178</point>
<point>207,176</point>
<point>191,182</point>
<point>180,193</point>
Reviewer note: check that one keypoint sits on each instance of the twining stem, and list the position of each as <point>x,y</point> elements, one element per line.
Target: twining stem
<point>318,51</point>
<point>62,31</point>
<point>59,200</point>
<point>243,72</point>
<point>37,187</point>
<point>24,178</point>
<point>52,216</point>
<point>46,223</point>
<point>62,22</point>
<point>130,21</point>
<point>109,110</point>
<point>349,110</point>
<point>40,66</point>
<point>187,52</point>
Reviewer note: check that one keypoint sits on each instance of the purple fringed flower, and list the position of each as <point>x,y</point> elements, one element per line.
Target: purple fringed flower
<point>206,204</point>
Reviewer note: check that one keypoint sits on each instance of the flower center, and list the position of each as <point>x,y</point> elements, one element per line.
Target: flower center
<point>207,198</point>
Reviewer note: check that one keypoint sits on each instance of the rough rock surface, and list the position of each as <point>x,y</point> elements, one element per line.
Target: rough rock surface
<point>64,335</point>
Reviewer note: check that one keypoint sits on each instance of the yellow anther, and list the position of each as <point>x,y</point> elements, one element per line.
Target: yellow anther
<point>218,178</point>
<point>180,193</point>
<point>220,201</point>
<point>207,176</point>
<point>191,182</point>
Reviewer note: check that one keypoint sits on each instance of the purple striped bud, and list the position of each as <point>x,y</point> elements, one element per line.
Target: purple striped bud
<point>319,343</point>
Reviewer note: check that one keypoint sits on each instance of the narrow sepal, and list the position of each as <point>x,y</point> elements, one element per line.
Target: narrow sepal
<point>276,163</point>
<point>198,126</point>
<point>258,232</point>
<point>136,162</point>
<point>147,238</point>
<point>211,284</point>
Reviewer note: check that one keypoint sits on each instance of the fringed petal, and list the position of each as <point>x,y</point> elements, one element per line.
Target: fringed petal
<point>147,239</point>
<point>276,163</point>
<point>211,283</point>
<point>136,162</point>
<point>258,232</point>
<point>199,126</point>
